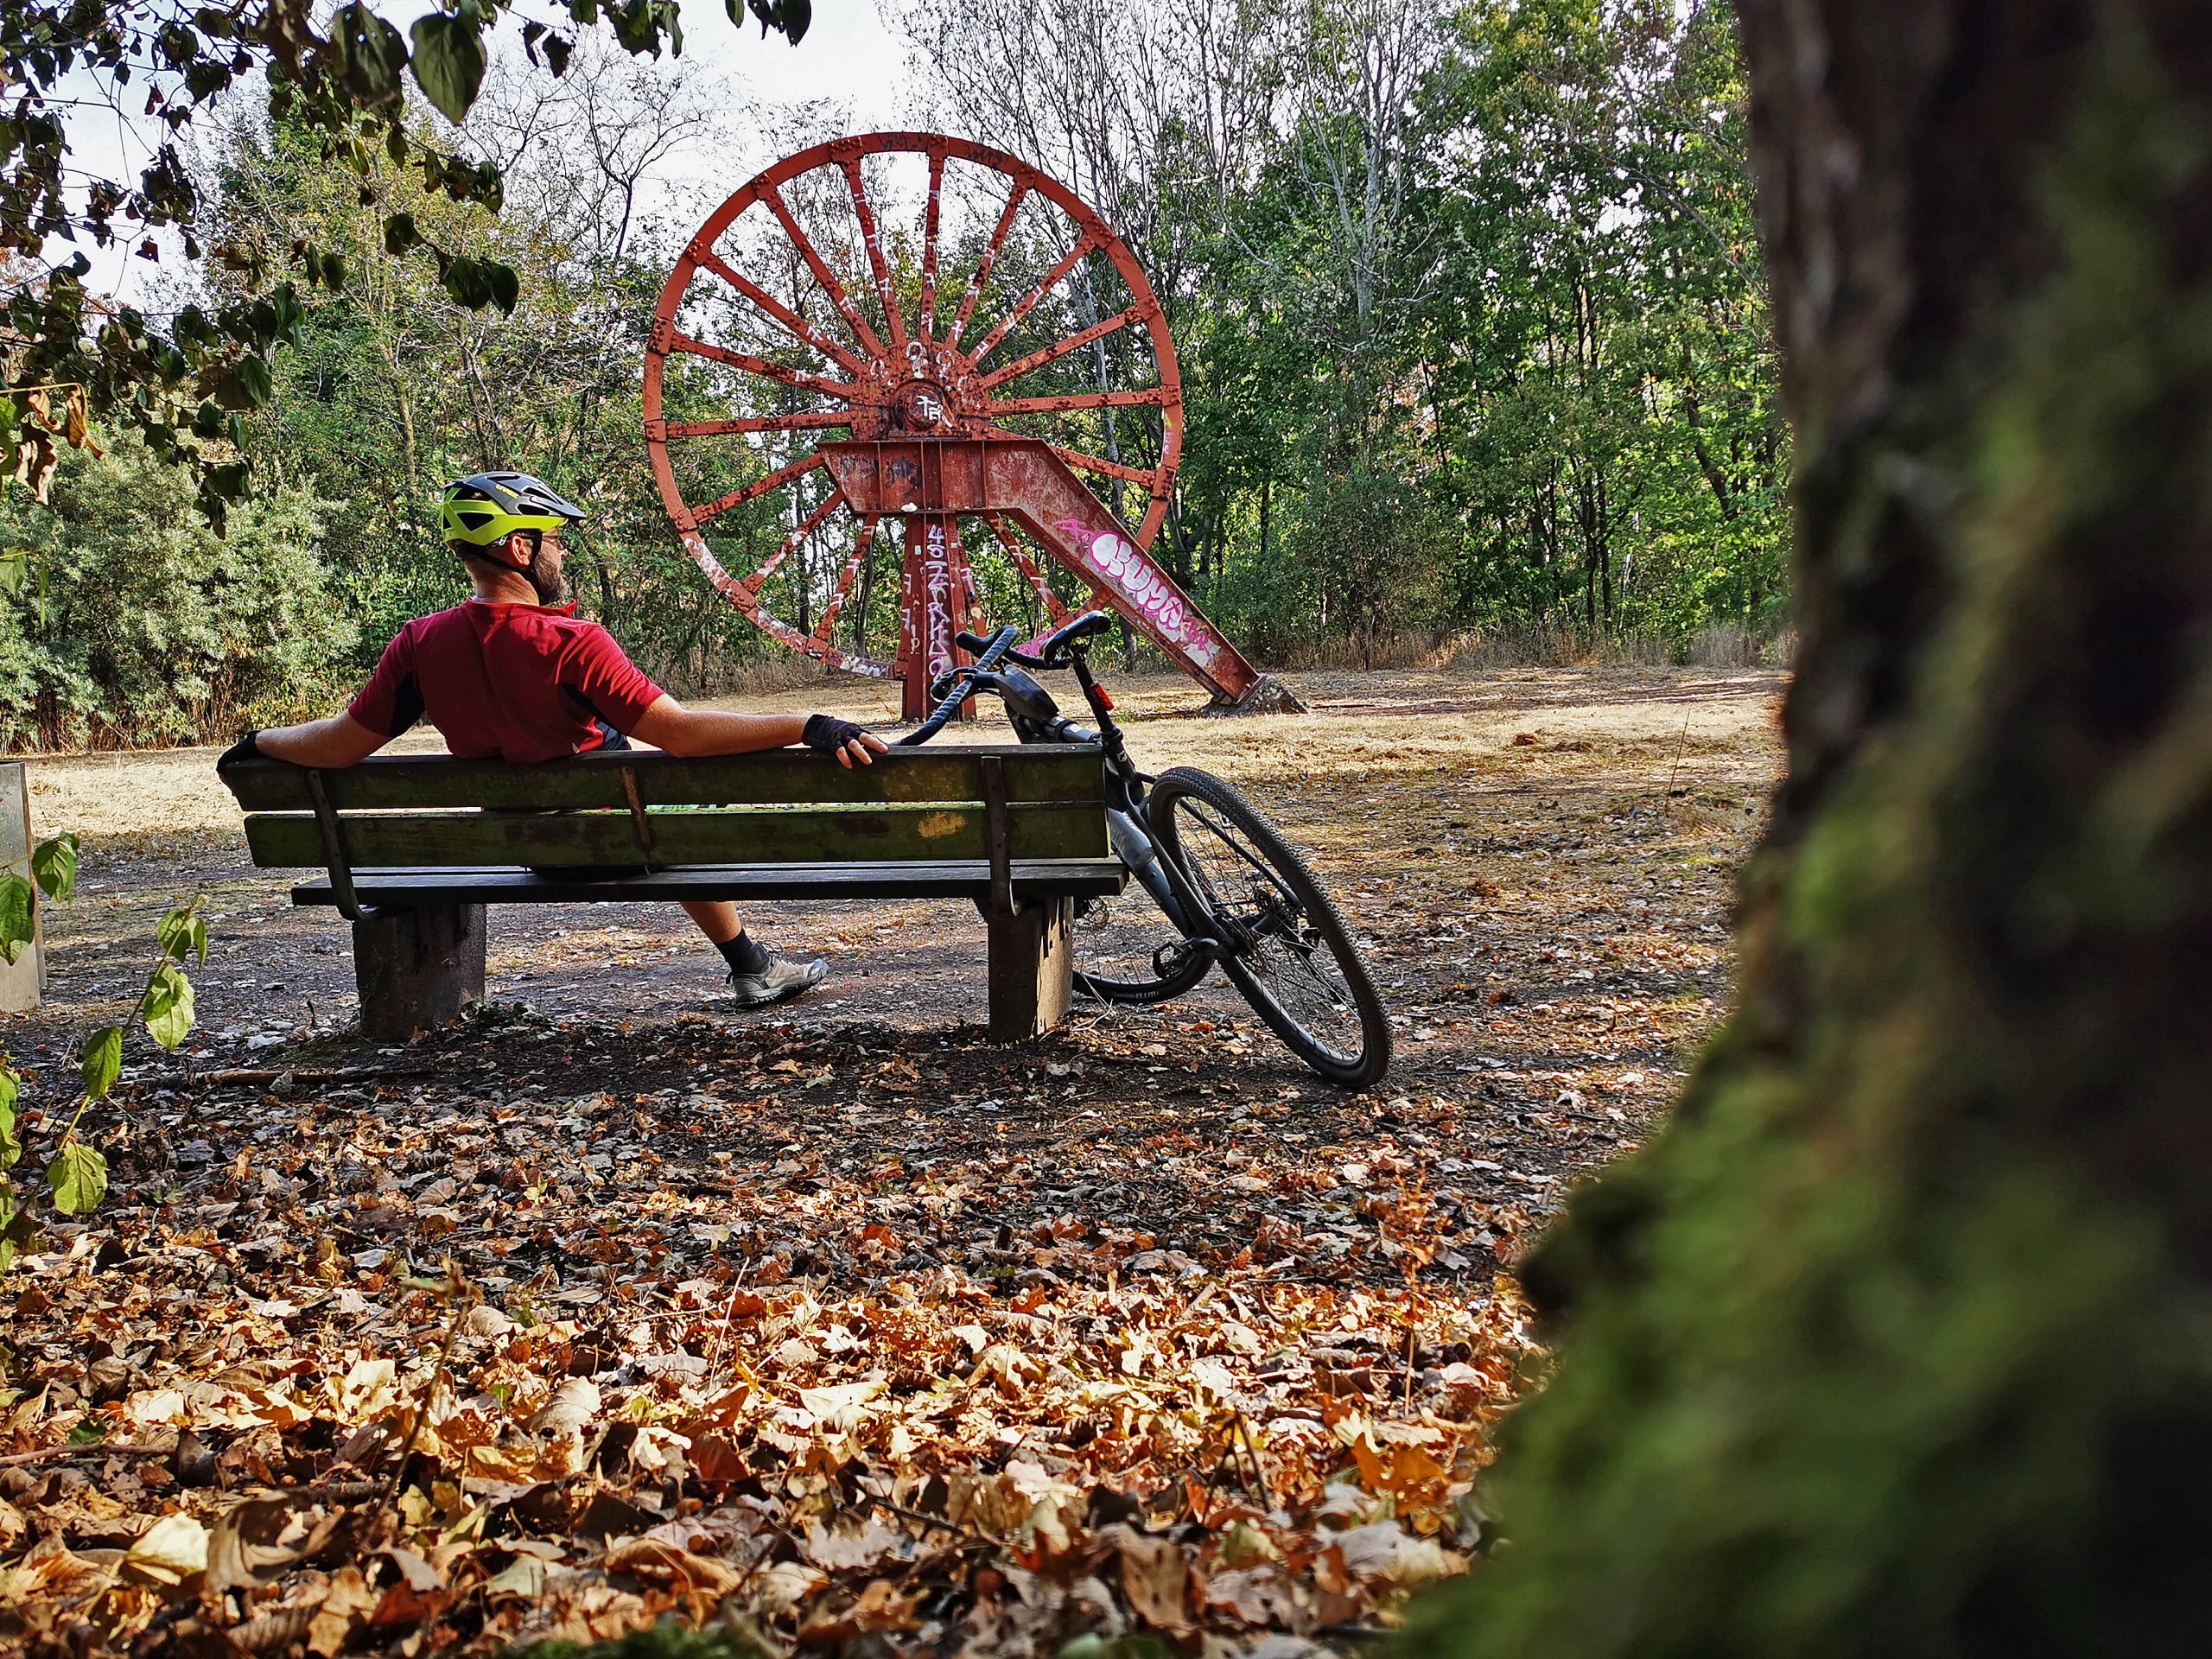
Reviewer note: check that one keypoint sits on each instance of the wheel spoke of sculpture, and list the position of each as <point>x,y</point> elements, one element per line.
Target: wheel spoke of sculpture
<point>808,309</point>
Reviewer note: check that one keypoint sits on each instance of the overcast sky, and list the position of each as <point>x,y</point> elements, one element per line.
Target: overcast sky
<point>848,54</point>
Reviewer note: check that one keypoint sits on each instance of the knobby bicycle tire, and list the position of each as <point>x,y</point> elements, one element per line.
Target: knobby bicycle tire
<point>1289,920</point>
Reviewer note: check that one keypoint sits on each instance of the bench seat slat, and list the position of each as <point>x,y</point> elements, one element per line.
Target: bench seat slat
<point>944,878</point>
<point>927,831</point>
<point>1034,772</point>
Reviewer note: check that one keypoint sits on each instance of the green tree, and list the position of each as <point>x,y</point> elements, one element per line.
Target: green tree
<point>134,623</point>
<point>1892,1344</point>
<point>342,74</point>
<point>393,389</point>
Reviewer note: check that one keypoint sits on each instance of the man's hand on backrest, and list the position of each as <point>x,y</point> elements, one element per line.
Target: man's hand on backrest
<point>245,749</point>
<point>847,739</point>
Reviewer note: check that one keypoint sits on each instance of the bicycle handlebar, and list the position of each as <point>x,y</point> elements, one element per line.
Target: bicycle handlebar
<point>990,653</point>
<point>1056,644</point>
<point>1051,650</point>
<point>959,684</point>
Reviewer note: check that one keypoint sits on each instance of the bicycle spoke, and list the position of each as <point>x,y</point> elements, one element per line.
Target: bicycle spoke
<point>1278,947</point>
<point>1122,946</point>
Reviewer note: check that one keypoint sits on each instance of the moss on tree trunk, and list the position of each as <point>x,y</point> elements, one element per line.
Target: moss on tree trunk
<point>1896,1342</point>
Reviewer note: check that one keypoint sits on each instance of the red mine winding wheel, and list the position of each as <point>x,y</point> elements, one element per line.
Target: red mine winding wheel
<point>812,375</point>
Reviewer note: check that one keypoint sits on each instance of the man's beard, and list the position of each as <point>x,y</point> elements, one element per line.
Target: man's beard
<point>546,578</point>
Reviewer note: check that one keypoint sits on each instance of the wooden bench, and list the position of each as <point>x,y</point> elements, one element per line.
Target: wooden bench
<point>413,850</point>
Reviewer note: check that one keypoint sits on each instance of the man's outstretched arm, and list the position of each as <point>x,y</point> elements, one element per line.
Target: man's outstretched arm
<point>339,740</point>
<point>668,725</point>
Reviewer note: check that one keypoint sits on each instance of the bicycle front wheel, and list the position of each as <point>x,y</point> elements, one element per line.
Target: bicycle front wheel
<point>1290,954</point>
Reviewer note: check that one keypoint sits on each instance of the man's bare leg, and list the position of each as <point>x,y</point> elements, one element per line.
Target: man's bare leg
<point>717,919</point>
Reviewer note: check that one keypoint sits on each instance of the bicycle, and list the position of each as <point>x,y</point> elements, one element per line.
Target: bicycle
<point>1230,889</point>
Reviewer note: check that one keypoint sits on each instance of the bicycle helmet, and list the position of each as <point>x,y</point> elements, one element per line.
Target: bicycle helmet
<point>488,507</point>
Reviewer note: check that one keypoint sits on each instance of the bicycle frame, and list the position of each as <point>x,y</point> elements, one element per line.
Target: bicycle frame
<point>1128,829</point>
<point>1036,719</point>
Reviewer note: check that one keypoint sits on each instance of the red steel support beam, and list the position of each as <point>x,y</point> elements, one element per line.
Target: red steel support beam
<point>1024,480</point>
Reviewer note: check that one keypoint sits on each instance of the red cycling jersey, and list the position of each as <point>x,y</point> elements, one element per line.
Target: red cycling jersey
<point>507,682</point>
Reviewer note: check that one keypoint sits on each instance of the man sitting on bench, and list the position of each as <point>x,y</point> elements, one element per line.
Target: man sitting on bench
<point>513,674</point>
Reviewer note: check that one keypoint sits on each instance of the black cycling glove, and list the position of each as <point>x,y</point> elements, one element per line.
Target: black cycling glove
<point>245,749</point>
<point>826,734</point>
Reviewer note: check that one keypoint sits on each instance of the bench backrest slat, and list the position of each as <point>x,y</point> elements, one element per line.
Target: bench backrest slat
<point>786,807</point>
<point>1038,773</point>
<point>791,835</point>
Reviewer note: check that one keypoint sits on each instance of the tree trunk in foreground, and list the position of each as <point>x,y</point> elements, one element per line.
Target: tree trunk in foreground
<point>1896,1342</point>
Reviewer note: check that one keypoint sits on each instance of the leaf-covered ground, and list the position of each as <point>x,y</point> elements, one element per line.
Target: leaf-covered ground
<point>614,1302</point>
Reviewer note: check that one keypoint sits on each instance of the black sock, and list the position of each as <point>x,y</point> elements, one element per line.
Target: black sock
<point>744,954</point>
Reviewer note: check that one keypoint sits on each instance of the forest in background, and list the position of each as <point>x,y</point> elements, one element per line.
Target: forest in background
<point>1469,312</point>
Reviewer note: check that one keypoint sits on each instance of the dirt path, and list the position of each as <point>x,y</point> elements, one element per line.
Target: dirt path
<point>618,1161</point>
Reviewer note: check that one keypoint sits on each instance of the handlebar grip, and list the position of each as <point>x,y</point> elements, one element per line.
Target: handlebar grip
<point>978,642</point>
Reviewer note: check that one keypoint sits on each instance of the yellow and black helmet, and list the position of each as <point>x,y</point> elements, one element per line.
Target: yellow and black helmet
<point>487,507</point>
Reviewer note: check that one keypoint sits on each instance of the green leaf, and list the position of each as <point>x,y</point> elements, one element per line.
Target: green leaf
<point>179,46</point>
<point>18,918</point>
<point>167,1006</point>
<point>14,570</point>
<point>78,1178</point>
<point>11,1146</point>
<point>791,17</point>
<point>478,282</point>
<point>370,53</point>
<point>247,386</point>
<point>637,25</point>
<point>53,866</point>
<point>182,933</point>
<point>103,1061</point>
<point>448,63</point>
<point>18,1226</point>
<point>400,234</point>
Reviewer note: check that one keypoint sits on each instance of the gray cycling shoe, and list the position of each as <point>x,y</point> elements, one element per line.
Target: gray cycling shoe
<point>781,978</point>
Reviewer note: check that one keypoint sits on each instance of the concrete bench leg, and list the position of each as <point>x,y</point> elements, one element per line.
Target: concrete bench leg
<point>1031,969</point>
<point>417,968</point>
